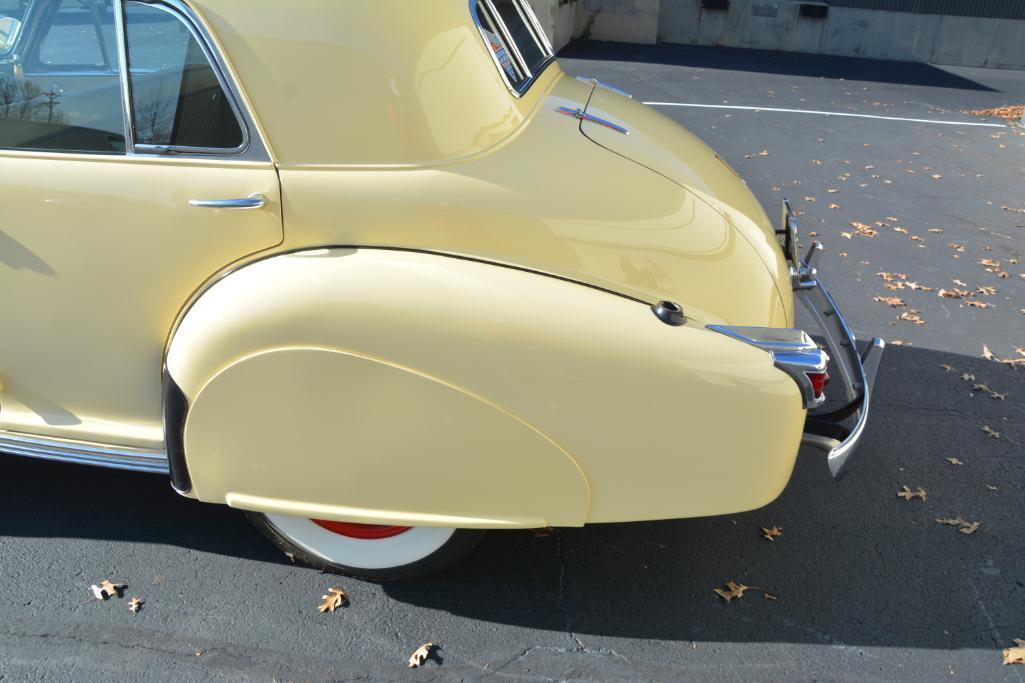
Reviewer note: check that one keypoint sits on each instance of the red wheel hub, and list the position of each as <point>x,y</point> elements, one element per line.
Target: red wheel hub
<point>365,532</point>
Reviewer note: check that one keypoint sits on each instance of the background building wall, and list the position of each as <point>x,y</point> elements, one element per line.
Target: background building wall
<point>854,28</point>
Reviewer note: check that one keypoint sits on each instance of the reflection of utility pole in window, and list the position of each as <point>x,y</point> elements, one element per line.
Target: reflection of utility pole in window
<point>52,95</point>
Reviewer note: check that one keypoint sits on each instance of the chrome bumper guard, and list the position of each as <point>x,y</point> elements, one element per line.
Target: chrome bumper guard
<point>835,431</point>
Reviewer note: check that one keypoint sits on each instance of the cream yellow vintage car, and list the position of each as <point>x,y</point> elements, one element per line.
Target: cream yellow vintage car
<point>384,276</point>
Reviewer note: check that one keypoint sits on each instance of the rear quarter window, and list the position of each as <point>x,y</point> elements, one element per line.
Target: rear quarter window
<point>518,45</point>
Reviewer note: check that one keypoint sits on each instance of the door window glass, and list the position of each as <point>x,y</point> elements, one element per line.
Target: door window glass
<point>178,101</point>
<point>65,94</point>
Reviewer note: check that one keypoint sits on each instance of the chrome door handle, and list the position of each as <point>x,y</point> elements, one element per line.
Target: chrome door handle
<point>255,201</point>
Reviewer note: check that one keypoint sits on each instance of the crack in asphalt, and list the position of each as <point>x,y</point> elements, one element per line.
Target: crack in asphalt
<point>578,645</point>
<point>567,614</point>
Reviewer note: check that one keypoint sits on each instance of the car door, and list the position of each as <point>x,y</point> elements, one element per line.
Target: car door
<point>119,197</point>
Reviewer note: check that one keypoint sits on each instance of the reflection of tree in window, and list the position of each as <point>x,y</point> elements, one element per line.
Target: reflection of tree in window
<point>178,101</point>
<point>28,102</point>
<point>67,96</point>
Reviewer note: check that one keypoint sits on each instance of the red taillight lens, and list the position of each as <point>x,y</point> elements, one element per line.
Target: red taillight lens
<point>819,380</point>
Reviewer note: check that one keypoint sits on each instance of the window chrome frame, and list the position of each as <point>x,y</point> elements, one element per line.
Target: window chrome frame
<point>533,26</point>
<point>251,148</point>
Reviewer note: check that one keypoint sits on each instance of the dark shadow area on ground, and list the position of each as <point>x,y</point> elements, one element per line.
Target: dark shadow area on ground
<point>856,565</point>
<point>771,62</point>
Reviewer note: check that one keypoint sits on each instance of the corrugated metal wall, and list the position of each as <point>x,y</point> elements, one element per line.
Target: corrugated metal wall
<point>994,9</point>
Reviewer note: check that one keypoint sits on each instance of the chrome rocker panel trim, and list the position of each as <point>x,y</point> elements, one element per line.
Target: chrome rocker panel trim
<point>826,431</point>
<point>84,453</point>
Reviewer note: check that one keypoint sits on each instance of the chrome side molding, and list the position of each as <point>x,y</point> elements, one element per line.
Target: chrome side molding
<point>84,453</point>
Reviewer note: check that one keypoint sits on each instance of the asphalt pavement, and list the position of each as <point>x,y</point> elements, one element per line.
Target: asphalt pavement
<point>869,586</point>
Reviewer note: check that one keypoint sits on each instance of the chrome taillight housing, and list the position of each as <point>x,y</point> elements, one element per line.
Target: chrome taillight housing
<point>793,352</point>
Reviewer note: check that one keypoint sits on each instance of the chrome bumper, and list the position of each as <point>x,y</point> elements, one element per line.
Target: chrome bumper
<point>836,431</point>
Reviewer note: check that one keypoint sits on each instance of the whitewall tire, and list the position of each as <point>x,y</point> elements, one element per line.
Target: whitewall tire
<point>375,552</point>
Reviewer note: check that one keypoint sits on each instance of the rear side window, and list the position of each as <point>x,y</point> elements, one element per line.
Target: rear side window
<point>518,45</point>
<point>178,100</point>
<point>61,90</point>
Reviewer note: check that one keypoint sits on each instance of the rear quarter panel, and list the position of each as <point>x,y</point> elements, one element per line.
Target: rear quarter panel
<point>482,396</point>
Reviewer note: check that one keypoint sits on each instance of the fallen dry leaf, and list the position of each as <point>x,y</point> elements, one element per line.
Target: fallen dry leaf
<point>964,527</point>
<point>1015,655</point>
<point>1011,112</point>
<point>948,368</point>
<point>954,461</point>
<point>894,301</point>
<point>733,590</point>
<point>769,596</point>
<point>135,604</point>
<point>335,598</point>
<point>968,377</point>
<point>863,229</point>
<point>422,654</point>
<point>908,494</point>
<point>987,354</point>
<point>956,247</point>
<point>978,304</point>
<point>911,316</point>
<point>543,532</point>
<point>834,205</point>
<point>772,533</point>
<point>990,432</point>
<point>108,589</point>
<point>992,488</point>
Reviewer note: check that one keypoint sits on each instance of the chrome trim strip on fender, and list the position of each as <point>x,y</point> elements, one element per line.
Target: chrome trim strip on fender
<point>584,116</point>
<point>84,453</point>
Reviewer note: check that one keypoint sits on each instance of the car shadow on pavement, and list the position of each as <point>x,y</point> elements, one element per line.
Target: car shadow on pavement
<point>856,565</point>
<point>772,62</point>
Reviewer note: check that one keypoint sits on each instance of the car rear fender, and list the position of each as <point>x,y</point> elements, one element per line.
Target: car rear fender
<point>394,387</point>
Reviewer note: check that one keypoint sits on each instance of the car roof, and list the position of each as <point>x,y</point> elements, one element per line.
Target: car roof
<point>388,82</point>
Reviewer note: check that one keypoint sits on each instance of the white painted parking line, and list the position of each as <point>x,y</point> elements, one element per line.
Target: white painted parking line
<point>826,113</point>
